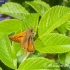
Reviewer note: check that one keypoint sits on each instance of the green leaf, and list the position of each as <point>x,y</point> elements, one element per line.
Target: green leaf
<point>37,0</point>
<point>53,18</point>
<point>14,10</point>
<point>38,63</point>
<point>64,59</point>
<point>10,25</point>
<point>53,43</point>
<point>31,21</point>
<point>39,6</point>
<point>1,34</point>
<point>62,29</point>
<point>17,49</point>
<point>7,55</point>
<point>68,25</point>
<point>0,68</point>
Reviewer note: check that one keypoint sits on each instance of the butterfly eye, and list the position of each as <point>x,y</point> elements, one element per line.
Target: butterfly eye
<point>31,30</point>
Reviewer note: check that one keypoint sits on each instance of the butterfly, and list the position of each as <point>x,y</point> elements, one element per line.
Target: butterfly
<point>25,38</point>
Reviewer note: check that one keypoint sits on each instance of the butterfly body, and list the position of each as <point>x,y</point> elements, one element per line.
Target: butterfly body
<point>25,38</point>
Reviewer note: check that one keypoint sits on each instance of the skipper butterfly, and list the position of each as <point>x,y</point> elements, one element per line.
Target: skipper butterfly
<point>25,38</point>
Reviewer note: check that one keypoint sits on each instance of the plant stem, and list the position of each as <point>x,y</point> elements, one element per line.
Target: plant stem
<point>26,56</point>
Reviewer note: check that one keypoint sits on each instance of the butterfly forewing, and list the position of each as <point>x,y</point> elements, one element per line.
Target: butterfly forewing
<point>18,37</point>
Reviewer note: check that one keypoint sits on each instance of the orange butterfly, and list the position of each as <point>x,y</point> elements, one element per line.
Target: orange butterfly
<point>26,40</point>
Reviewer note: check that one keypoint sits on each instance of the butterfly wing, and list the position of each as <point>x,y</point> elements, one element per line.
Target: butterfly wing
<point>26,40</point>
<point>30,47</point>
<point>18,37</point>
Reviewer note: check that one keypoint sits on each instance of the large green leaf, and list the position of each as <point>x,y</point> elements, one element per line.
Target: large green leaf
<point>31,21</point>
<point>38,63</point>
<point>53,43</point>
<point>10,25</point>
<point>39,6</point>
<point>14,10</point>
<point>7,55</point>
<point>53,18</point>
<point>65,59</point>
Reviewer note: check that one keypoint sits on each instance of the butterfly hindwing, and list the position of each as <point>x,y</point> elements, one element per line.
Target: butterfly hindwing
<point>30,47</point>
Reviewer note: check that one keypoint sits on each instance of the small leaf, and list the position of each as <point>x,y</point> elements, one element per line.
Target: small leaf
<point>31,21</point>
<point>7,56</point>
<point>53,43</point>
<point>17,49</point>
<point>39,6</point>
<point>62,29</point>
<point>53,18</point>
<point>68,25</point>
<point>14,10</point>
<point>10,25</point>
<point>65,59</point>
<point>38,63</point>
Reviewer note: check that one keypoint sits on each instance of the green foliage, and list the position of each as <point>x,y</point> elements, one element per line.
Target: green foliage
<point>14,10</point>
<point>31,21</point>
<point>51,35</point>
<point>39,6</point>
<point>0,68</point>
<point>63,28</point>
<point>53,18</point>
<point>10,25</point>
<point>6,54</point>
<point>67,26</point>
<point>38,63</point>
<point>53,43</point>
<point>65,59</point>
